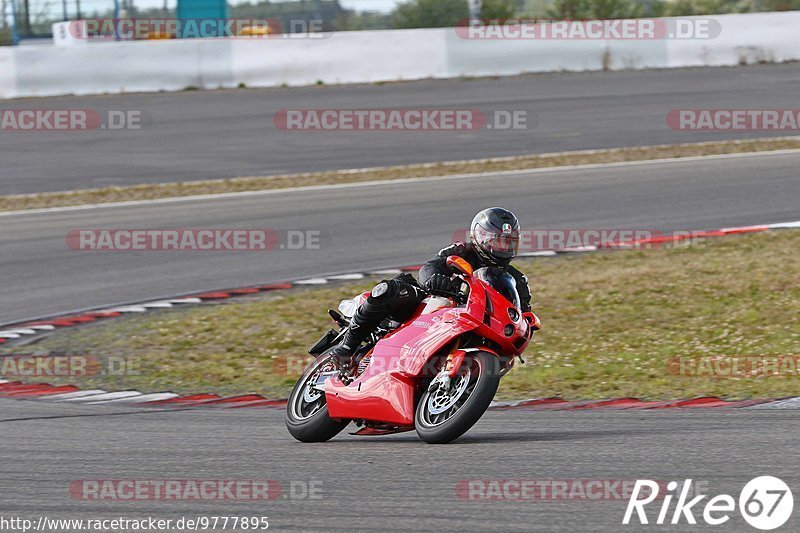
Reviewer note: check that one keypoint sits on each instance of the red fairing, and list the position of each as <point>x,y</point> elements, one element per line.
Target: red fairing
<point>385,397</point>
<point>422,339</point>
<point>533,320</point>
<point>385,391</point>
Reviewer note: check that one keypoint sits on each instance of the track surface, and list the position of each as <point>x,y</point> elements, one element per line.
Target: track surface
<point>388,483</point>
<point>394,483</point>
<point>222,134</point>
<point>375,226</point>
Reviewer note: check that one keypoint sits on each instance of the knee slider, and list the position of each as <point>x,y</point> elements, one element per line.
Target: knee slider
<point>382,291</point>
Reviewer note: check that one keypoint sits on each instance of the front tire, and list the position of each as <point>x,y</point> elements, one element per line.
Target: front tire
<point>443,416</point>
<point>307,416</point>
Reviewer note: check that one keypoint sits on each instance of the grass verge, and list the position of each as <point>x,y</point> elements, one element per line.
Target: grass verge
<point>193,188</point>
<point>611,321</point>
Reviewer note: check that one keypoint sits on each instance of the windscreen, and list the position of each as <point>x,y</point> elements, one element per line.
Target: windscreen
<point>501,281</point>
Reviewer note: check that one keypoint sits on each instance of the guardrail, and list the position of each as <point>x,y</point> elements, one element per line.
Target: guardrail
<point>374,56</point>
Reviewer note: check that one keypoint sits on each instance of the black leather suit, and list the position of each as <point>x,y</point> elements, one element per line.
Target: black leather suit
<point>398,298</point>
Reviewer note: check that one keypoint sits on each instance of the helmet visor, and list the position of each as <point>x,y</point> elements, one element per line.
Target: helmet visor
<point>502,245</point>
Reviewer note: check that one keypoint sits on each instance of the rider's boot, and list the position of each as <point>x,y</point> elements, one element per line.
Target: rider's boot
<point>343,353</point>
<point>368,316</point>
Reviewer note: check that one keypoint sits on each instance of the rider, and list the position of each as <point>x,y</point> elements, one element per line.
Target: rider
<point>494,241</point>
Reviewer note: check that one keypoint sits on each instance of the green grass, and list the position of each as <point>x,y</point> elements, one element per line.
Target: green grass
<point>611,321</point>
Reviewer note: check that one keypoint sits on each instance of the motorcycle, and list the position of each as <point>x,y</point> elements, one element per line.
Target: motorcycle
<point>437,372</point>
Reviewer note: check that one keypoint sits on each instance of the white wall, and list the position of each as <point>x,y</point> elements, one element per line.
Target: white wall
<point>347,57</point>
<point>8,72</point>
<point>748,38</point>
<point>370,56</point>
<point>123,67</point>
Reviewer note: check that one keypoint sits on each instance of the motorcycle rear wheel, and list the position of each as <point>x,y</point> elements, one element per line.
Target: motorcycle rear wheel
<point>307,416</point>
<point>443,416</point>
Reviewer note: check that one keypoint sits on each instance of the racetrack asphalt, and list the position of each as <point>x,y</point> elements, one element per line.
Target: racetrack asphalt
<point>374,226</point>
<point>392,483</point>
<point>230,133</point>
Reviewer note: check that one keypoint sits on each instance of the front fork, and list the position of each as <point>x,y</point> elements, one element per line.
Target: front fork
<point>448,371</point>
<point>454,361</point>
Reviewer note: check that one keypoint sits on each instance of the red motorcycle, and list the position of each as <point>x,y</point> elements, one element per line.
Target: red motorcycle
<point>436,373</point>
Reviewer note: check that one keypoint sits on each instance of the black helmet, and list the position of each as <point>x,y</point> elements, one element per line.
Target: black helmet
<point>495,234</point>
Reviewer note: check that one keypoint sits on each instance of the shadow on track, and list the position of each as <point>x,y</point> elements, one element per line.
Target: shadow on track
<point>526,436</point>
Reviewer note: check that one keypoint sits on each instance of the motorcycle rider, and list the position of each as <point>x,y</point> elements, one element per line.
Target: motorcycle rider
<point>494,241</point>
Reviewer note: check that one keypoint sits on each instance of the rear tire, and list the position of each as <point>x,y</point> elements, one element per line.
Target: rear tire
<point>307,416</point>
<point>471,393</point>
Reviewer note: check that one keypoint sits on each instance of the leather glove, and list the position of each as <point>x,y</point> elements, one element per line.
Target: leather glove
<point>441,285</point>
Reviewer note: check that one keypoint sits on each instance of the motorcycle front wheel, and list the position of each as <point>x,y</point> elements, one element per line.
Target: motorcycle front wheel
<point>443,415</point>
<point>307,416</point>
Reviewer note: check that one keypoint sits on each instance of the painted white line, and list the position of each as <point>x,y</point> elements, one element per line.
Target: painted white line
<point>542,253</point>
<point>579,249</point>
<point>156,305</point>
<point>43,327</point>
<point>506,404</point>
<point>744,228</point>
<point>3,381</point>
<point>127,309</point>
<point>355,275</point>
<point>141,398</point>
<point>788,403</point>
<point>107,396</point>
<point>312,281</point>
<point>76,394</point>
<point>186,301</point>
<point>17,332</point>
<point>424,179</point>
<point>784,225</point>
<point>152,397</point>
<point>387,272</point>
<point>7,335</point>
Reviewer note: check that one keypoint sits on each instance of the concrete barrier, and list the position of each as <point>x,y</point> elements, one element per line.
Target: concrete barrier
<point>346,57</point>
<point>139,66</point>
<point>8,72</point>
<point>372,56</point>
<point>745,39</point>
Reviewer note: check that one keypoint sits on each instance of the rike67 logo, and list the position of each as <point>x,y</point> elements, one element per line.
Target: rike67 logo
<point>765,503</point>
